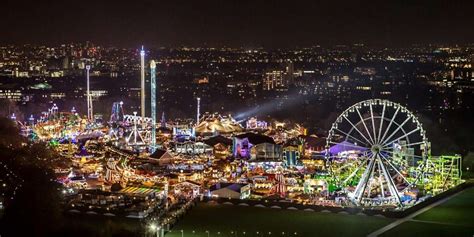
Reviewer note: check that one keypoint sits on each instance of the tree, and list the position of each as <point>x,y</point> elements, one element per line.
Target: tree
<point>34,208</point>
<point>468,165</point>
<point>8,108</point>
<point>9,133</point>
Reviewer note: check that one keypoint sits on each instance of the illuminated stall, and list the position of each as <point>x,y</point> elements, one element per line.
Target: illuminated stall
<point>291,156</point>
<point>214,124</point>
<point>243,143</point>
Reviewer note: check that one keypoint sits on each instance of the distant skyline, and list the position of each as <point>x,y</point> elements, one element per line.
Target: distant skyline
<point>237,23</point>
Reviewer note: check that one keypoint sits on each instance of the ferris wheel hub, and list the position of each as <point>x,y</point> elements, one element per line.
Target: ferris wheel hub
<point>376,148</point>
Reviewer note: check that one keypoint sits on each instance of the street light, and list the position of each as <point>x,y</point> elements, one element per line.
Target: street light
<point>182,233</point>
<point>207,233</point>
<point>156,228</point>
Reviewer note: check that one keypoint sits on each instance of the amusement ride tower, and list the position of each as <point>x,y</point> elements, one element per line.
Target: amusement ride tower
<point>142,76</point>
<point>153,105</point>
<point>90,115</point>
<point>198,110</point>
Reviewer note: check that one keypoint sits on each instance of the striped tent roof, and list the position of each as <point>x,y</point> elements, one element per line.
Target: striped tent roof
<point>138,190</point>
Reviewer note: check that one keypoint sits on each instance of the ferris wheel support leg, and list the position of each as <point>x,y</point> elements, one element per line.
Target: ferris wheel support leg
<point>380,180</point>
<point>129,136</point>
<point>354,172</point>
<point>364,180</point>
<point>391,185</point>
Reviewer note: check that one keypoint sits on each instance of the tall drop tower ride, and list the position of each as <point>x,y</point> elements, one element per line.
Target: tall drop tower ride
<point>198,110</point>
<point>90,115</point>
<point>142,75</point>
<point>153,105</point>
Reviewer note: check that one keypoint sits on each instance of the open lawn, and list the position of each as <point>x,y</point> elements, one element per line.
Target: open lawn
<point>93,225</point>
<point>458,210</point>
<point>455,217</point>
<point>421,229</point>
<point>222,220</point>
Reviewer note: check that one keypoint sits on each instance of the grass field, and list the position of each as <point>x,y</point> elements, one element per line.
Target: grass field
<point>422,229</point>
<point>458,210</point>
<point>92,225</point>
<point>455,217</point>
<point>222,220</point>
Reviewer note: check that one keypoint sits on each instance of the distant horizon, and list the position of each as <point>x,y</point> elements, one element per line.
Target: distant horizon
<point>207,46</point>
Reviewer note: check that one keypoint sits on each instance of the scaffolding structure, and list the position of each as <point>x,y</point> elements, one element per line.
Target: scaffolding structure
<point>439,173</point>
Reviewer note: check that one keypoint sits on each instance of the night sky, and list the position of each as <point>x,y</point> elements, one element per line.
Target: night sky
<point>270,23</point>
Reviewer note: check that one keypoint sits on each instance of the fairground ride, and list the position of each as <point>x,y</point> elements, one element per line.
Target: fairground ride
<point>378,154</point>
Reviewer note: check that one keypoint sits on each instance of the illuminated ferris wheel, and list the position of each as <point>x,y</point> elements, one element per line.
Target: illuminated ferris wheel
<point>373,148</point>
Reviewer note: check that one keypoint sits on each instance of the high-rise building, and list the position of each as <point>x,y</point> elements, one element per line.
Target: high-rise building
<point>279,79</point>
<point>65,62</point>
<point>289,72</point>
<point>273,80</point>
<point>13,95</point>
<point>472,67</point>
